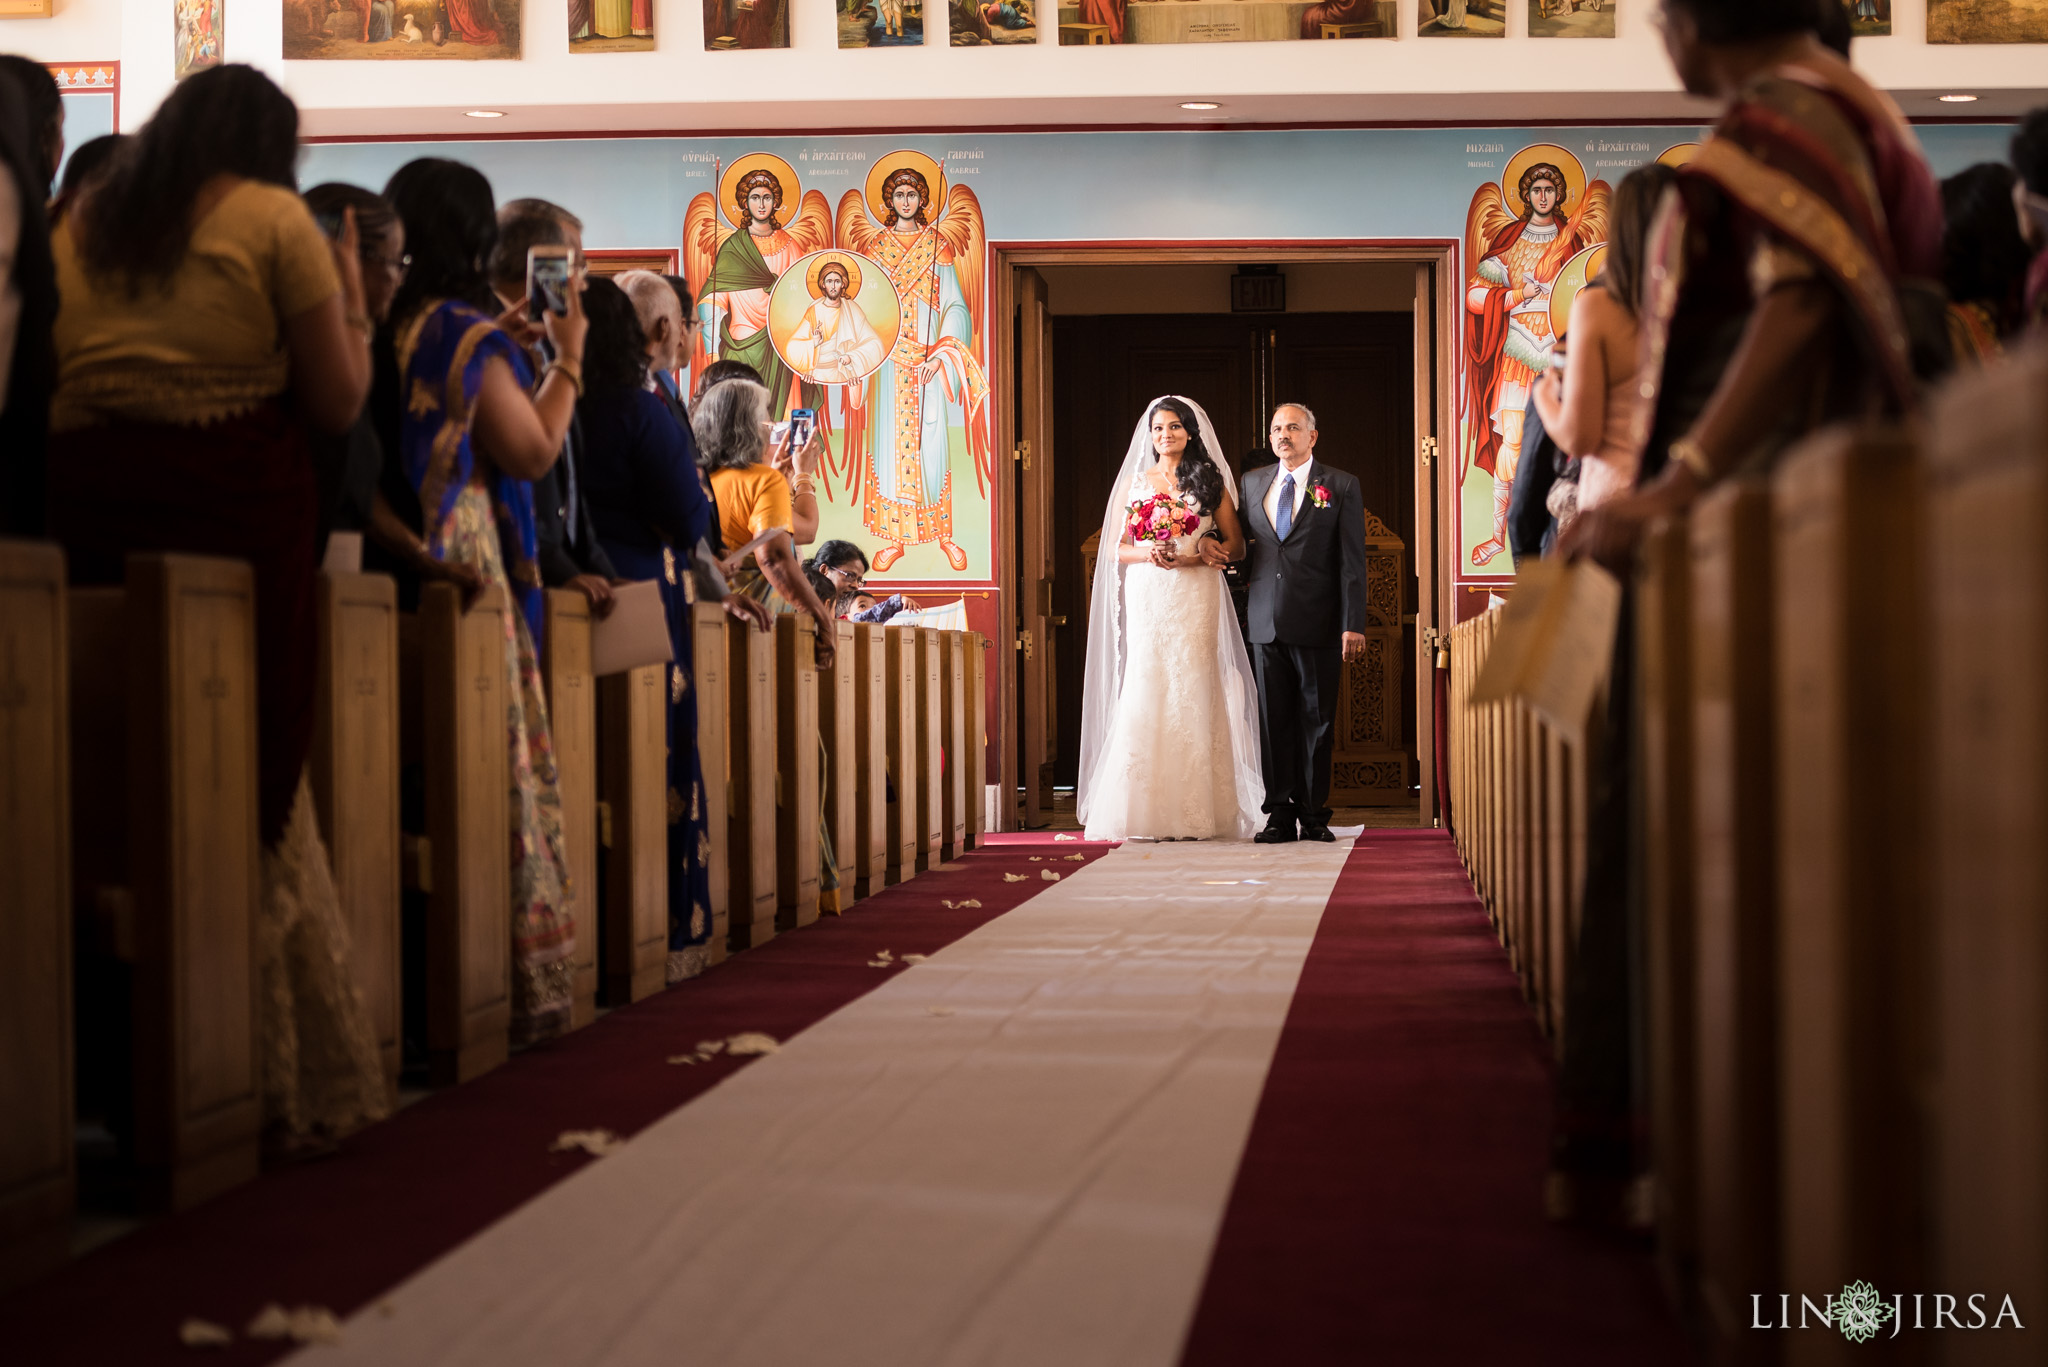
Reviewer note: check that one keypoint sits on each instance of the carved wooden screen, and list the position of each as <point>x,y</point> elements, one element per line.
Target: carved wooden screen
<point>1371,766</point>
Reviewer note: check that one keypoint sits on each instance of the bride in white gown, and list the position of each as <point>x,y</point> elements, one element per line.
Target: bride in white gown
<point>1169,712</point>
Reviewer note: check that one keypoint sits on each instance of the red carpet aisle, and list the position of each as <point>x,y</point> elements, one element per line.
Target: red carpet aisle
<point>1015,1155</point>
<point>339,1231</point>
<point>1389,1204</point>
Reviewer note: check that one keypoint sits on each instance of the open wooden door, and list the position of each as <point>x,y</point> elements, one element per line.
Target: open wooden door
<point>1426,460</point>
<point>1036,676</point>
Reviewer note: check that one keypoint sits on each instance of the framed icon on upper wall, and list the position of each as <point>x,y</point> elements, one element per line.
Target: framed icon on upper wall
<point>1461,18</point>
<point>1571,18</point>
<point>1086,23</point>
<point>611,25</point>
<point>1869,18</point>
<point>992,23</point>
<point>881,23</point>
<point>413,30</point>
<point>197,26</point>
<point>745,24</point>
<point>1987,21</point>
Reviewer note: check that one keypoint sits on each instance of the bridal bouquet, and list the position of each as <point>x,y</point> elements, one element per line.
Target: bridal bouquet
<point>1162,517</point>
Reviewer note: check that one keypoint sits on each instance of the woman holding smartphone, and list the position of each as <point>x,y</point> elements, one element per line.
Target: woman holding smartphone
<point>468,431</point>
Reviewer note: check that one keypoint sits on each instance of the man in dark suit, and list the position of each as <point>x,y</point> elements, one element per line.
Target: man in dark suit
<point>1307,615</point>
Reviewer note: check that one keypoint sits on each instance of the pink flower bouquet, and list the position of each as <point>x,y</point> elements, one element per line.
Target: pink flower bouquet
<point>1162,517</point>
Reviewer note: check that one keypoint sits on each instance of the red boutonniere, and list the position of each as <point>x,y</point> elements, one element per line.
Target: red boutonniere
<point>1320,495</point>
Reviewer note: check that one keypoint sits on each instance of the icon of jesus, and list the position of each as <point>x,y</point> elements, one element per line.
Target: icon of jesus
<point>835,343</point>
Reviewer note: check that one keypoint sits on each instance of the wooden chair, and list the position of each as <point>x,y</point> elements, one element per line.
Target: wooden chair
<point>572,713</point>
<point>354,765</point>
<point>37,1168</point>
<point>632,729</point>
<point>751,811</point>
<point>798,794</point>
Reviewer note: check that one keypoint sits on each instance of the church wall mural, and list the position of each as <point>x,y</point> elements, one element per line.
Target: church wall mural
<point>852,271</point>
<point>414,30</point>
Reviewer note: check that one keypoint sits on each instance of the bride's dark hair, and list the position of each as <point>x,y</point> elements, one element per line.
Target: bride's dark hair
<point>1197,475</point>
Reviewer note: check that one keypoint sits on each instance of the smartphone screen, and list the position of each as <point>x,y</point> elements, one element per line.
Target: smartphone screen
<point>330,223</point>
<point>549,271</point>
<point>800,421</point>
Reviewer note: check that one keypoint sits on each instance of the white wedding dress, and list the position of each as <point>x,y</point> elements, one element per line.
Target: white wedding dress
<point>1178,756</point>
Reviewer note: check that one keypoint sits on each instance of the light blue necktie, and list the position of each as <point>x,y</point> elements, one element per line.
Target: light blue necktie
<point>1283,520</point>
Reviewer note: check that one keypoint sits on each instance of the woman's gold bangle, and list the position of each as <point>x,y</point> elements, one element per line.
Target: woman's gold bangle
<point>573,373</point>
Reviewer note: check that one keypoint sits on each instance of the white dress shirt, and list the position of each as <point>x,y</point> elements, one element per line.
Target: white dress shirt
<point>1302,480</point>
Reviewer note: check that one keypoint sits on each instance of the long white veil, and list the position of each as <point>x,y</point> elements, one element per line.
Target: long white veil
<point>1108,632</point>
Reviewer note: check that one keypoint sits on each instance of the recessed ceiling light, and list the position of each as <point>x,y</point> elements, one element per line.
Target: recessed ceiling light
<point>1959,99</point>
<point>1200,104</point>
<point>484,113</point>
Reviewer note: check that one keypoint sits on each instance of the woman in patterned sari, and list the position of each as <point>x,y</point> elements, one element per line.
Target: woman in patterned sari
<point>471,432</point>
<point>1786,288</point>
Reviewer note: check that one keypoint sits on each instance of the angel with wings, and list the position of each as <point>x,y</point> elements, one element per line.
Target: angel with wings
<point>929,400</point>
<point>1521,232</point>
<point>733,270</point>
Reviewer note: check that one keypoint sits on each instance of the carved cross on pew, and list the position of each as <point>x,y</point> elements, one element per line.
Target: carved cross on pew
<point>214,688</point>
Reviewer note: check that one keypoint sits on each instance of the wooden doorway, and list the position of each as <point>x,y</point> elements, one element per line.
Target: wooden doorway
<point>1074,384</point>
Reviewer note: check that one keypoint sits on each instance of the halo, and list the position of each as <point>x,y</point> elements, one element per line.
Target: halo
<point>1578,272</point>
<point>1678,154</point>
<point>886,166</point>
<point>1574,177</point>
<point>839,259</point>
<point>792,188</point>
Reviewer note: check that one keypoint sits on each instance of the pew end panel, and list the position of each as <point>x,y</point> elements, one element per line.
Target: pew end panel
<point>708,658</point>
<point>354,770</point>
<point>902,777</point>
<point>1735,913</point>
<point>572,714</point>
<point>977,740</point>
<point>751,809</point>
<point>929,749</point>
<point>836,702</point>
<point>194,857</point>
<point>469,908</point>
<point>955,795</point>
<point>871,740</point>
<point>38,1175</point>
<point>798,793</point>
<point>633,773</point>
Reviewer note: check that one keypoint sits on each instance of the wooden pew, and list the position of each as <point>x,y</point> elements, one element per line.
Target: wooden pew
<point>572,712</point>
<point>1664,665</point>
<point>164,811</point>
<point>708,648</point>
<point>930,759</point>
<point>37,1168</point>
<point>836,696</point>
<point>354,768</point>
<point>798,795</point>
<point>461,718</point>
<point>1988,492</point>
<point>873,708</point>
<point>954,794</point>
<point>750,682</point>
<point>634,774</point>
<point>902,839</point>
<point>976,762</point>
<point>1735,845</point>
<point>1854,938</point>
<point>1560,887</point>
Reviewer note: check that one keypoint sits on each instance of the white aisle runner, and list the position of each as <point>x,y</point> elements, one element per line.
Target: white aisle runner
<point>1016,1153</point>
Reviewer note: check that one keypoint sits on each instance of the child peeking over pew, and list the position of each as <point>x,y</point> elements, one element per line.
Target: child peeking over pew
<point>864,608</point>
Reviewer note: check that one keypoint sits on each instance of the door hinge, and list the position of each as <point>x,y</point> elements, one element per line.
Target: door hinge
<point>1428,452</point>
<point>1024,643</point>
<point>1022,454</point>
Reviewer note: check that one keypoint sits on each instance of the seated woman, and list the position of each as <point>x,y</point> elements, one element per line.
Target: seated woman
<point>1588,410</point>
<point>730,421</point>
<point>471,435</point>
<point>647,502</point>
<point>206,324</point>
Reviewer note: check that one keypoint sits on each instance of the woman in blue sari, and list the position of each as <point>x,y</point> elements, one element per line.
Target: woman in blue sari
<point>457,404</point>
<point>650,510</point>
